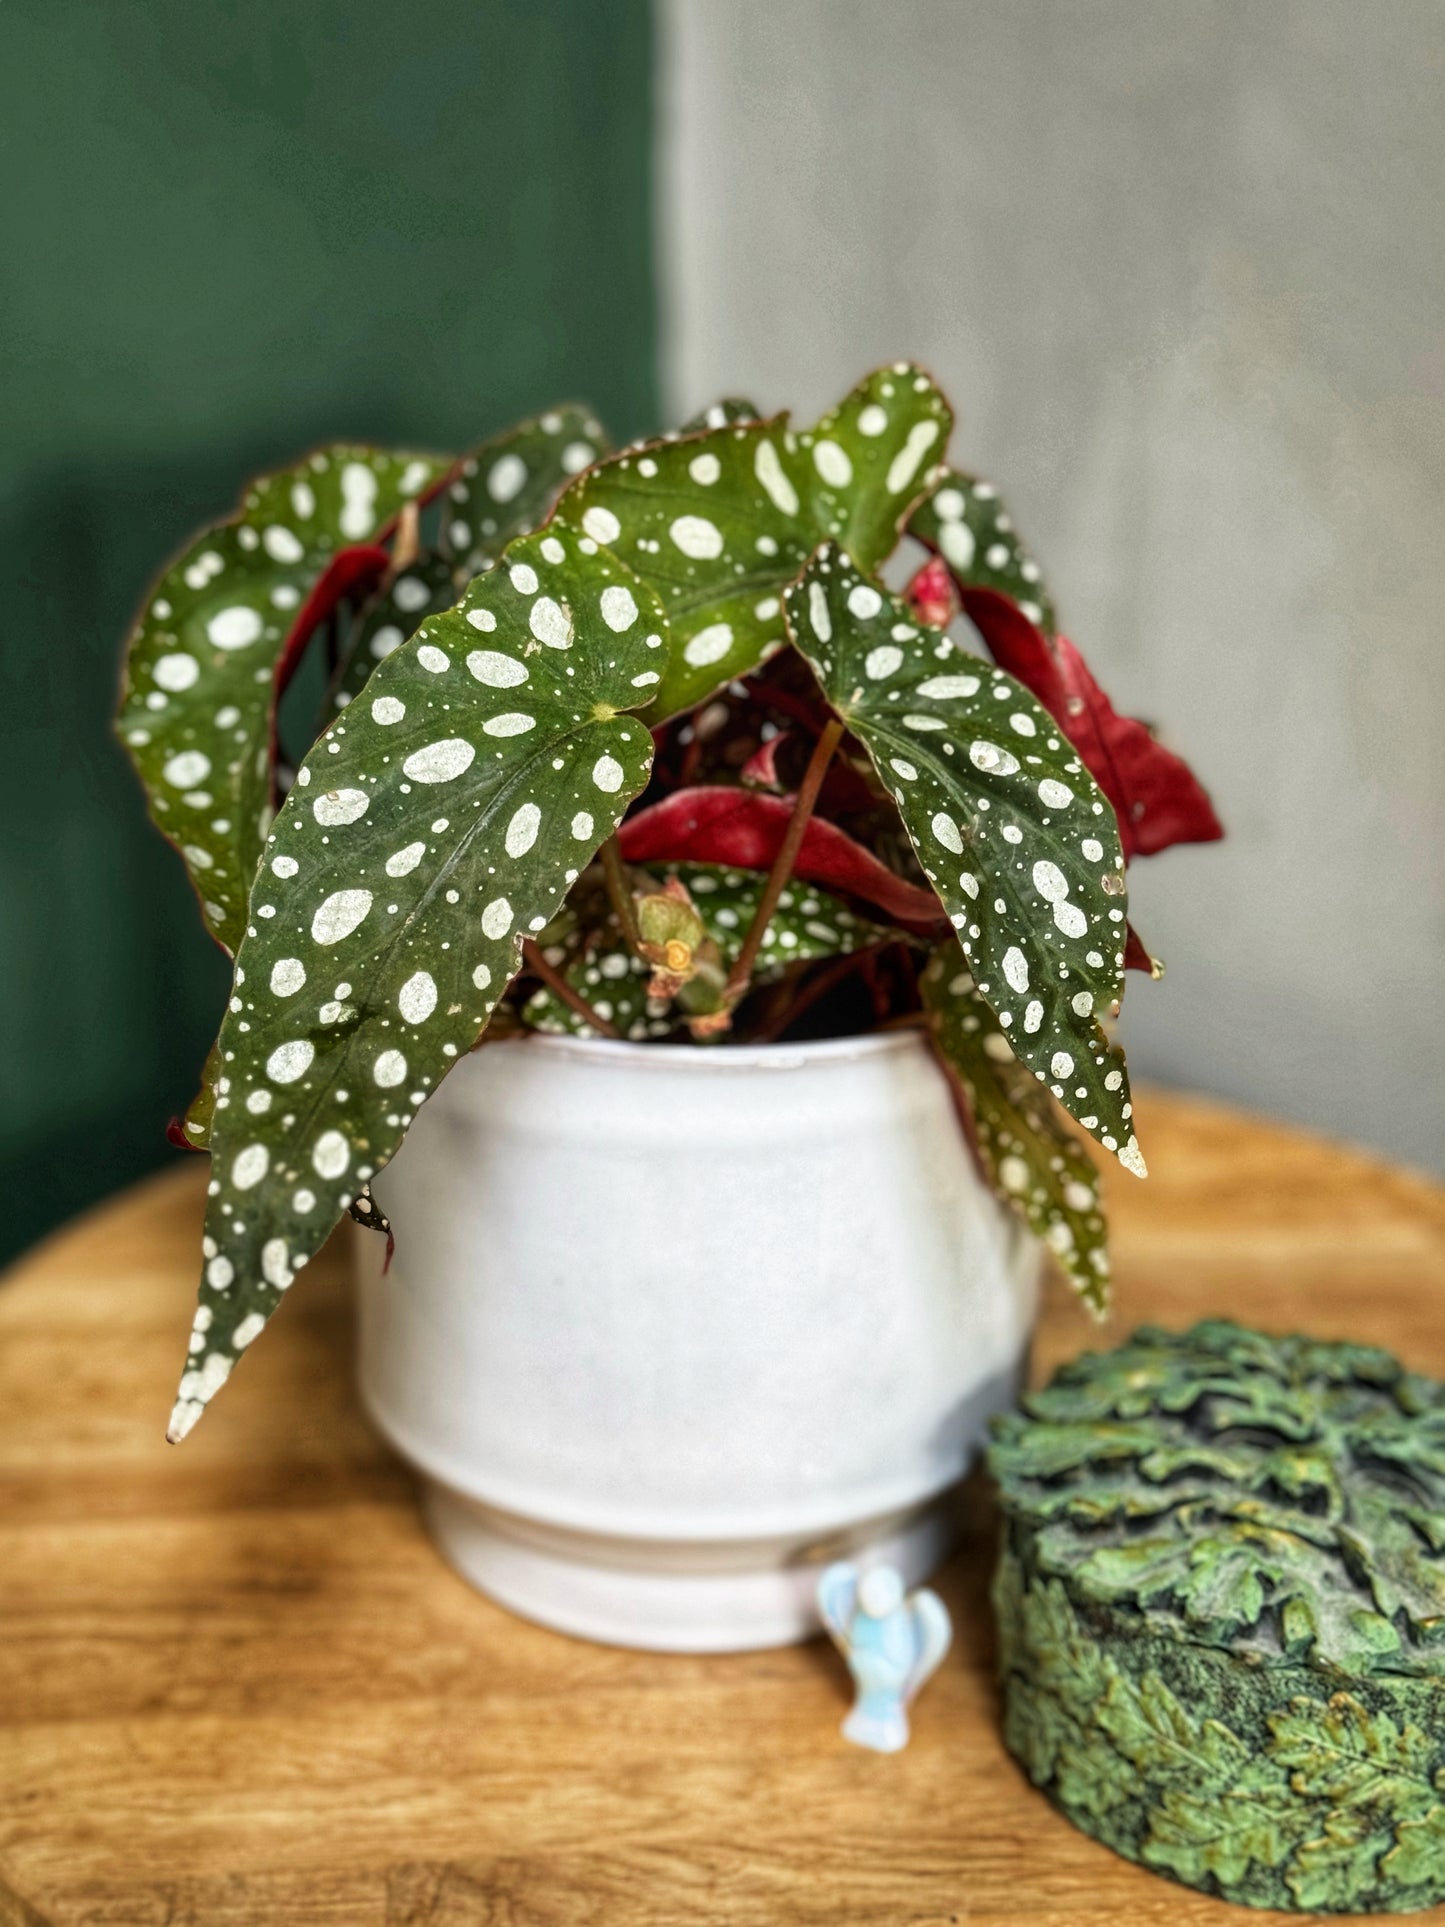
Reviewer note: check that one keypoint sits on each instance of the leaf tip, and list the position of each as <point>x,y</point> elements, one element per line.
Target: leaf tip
<point>199,1386</point>
<point>1132,1159</point>
<point>183,1418</point>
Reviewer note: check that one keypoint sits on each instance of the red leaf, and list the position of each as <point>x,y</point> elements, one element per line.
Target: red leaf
<point>1156,796</point>
<point>761,768</point>
<point>931,594</point>
<point>352,570</point>
<point>1136,954</point>
<point>713,824</point>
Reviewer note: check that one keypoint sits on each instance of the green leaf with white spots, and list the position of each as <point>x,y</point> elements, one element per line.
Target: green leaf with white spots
<point>440,819</point>
<point>964,521</point>
<point>1033,1162</point>
<point>199,699</point>
<point>732,408</point>
<point>716,525</point>
<point>720,522</point>
<point>1019,845</point>
<point>426,587</point>
<point>506,487</point>
<point>806,924</point>
<point>870,458</point>
<point>501,490</point>
<point>613,979</point>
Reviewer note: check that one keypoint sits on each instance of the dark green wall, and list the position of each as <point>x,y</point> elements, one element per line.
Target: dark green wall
<point>227,231</point>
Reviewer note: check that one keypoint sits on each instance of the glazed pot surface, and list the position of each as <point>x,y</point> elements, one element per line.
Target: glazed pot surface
<point>667,1325</point>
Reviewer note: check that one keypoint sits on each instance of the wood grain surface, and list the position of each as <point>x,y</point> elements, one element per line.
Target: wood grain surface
<point>239,1689</point>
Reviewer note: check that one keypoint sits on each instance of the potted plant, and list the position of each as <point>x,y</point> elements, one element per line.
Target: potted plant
<point>792,924</point>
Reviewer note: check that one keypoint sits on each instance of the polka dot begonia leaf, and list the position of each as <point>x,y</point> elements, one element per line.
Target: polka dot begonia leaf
<point>505,487</point>
<point>1011,830</point>
<point>721,522</point>
<point>424,588</point>
<point>441,819</point>
<point>870,458</point>
<point>501,490</point>
<point>963,520</point>
<point>1035,1164</point>
<point>214,638</point>
<point>732,408</point>
<point>806,924</point>
<point>400,606</point>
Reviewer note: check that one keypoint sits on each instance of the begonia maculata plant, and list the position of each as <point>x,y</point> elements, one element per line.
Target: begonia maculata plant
<point>638,744</point>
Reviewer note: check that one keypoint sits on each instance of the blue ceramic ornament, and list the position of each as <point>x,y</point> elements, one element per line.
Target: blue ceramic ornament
<point>892,1644</point>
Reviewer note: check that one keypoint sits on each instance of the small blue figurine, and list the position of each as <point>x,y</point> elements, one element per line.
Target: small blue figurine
<point>891,1645</point>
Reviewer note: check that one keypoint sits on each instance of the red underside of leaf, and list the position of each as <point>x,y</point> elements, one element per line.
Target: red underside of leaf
<point>176,1135</point>
<point>714,824</point>
<point>931,594</point>
<point>1156,796</point>
<point>1136,957</point>
<point>352,571</point>
<point>761,768</point>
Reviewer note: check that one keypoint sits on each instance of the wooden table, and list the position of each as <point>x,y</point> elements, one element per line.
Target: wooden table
<point>239,1689</point>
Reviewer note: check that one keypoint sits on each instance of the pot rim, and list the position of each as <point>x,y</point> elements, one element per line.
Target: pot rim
<point>705,1058</point>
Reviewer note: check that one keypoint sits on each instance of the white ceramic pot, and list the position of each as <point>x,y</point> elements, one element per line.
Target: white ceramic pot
<point>668,1328</point>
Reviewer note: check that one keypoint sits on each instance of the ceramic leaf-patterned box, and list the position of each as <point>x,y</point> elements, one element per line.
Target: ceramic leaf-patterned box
<point>1221,1599</point>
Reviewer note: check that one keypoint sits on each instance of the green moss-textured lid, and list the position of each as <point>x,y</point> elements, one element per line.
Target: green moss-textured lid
<point>1221,1596</point>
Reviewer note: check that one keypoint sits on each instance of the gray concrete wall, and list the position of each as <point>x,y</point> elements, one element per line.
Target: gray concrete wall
<point>1180,264</point>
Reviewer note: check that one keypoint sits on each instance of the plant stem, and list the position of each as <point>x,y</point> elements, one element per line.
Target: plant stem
<point>621,895</point>
<point>406,546</point>
<point>741,973</point>
<point>559,987</point>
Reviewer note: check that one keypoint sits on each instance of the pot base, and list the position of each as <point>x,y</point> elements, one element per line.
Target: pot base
<point>669,1595</point>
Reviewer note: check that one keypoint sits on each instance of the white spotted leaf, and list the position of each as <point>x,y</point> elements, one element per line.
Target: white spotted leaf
<point>732,408</point>
<point>807,924</point>
<point>501,490</point>
<point>506,487</point>
<point>424,588</point>
<point>1012,832</point>
<point>441,818</point>
<point>1035,1164</point>
<point>721,521</point>
<point>207,650</point>
<point>870,459</point>
<point>963,520</point>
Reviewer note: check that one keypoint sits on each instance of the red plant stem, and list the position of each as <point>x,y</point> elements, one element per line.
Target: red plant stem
<point>617,889</point>
<point>741,973</point>
<point>559,987</point>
